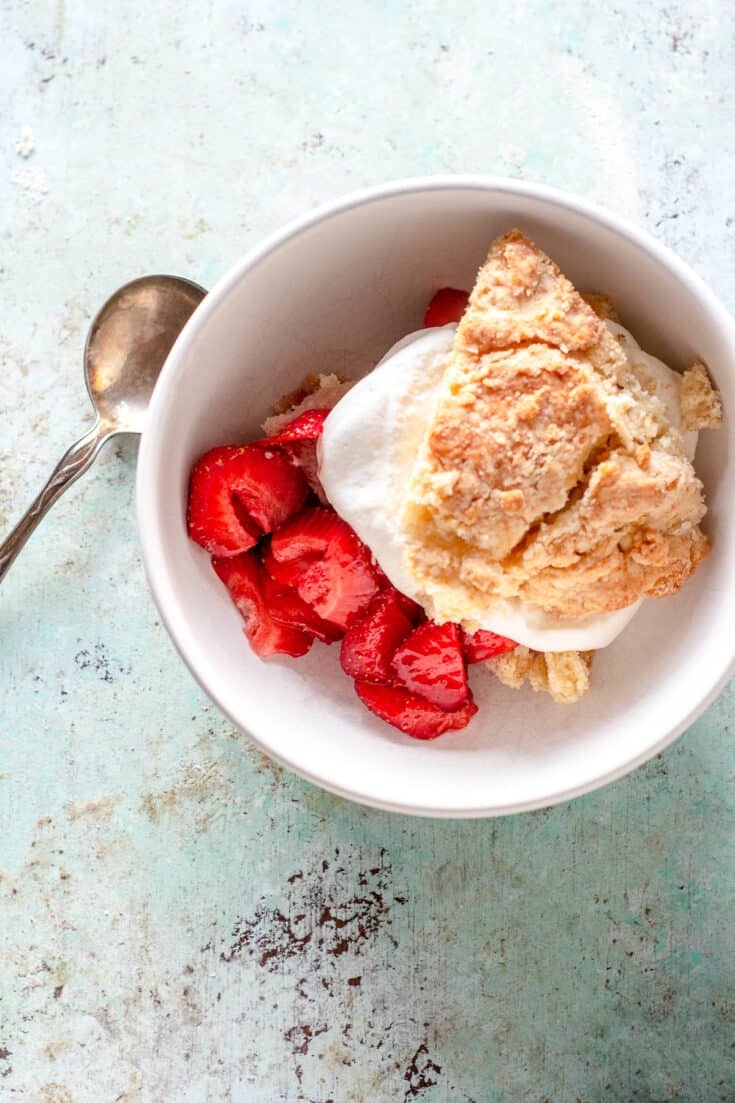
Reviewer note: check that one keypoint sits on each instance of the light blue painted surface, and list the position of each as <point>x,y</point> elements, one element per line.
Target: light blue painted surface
<point>181,922</point>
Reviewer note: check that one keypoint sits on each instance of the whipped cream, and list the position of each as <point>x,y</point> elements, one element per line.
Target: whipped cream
<point>366,457</point>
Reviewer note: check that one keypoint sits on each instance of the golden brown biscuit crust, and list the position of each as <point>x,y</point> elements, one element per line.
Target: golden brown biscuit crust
<point>549,472</point>
<point>602,305</point>
<point>565,675</point>
<point>701,405</point>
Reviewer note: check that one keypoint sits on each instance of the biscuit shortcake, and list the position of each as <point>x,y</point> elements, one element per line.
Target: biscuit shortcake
<point>551,473</point>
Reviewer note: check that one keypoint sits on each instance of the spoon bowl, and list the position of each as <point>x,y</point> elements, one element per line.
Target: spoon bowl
<point>127,345</point>
<point>128,342</point>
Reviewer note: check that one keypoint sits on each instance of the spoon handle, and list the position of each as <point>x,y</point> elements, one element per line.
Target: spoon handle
<point>72,464</point>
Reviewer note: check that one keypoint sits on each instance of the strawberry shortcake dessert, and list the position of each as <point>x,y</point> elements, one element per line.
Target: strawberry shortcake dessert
<point>504,489</point>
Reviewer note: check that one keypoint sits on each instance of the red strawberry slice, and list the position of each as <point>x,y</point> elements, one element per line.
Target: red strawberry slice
<point>481,645</point>
<point>287,572</point>
<point>430,663</point>
<point>307,426</point>
<point>304,456</point>
<point>311,533</point>
<point>412,609</point>
<point>448,305</point>
<point>410,713</point>
<point>237,493</point>
<point>341,581</point>
<point>382,578</point>
<point>369,645</point>
<point>246,579</point>
<point>339,586</point>
<point>300,437</point>
<point>286,608</point>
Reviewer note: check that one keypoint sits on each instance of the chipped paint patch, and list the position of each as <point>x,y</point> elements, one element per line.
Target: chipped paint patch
<point>318,916</point>
<point>420,1074</point>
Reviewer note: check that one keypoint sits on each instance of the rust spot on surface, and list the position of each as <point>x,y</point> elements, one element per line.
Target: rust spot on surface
<point>421,1073</point>
<point>270,935</point>
<point>327,913</point>
<point>301,1036</point>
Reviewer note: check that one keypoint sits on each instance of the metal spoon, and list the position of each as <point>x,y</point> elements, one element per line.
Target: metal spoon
<point>126,347</point>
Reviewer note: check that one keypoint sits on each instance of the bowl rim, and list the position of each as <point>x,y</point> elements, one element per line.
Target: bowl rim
<point>150,456</point>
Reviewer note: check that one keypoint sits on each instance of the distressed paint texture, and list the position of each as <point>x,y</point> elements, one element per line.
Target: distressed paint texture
<point>179,920</point>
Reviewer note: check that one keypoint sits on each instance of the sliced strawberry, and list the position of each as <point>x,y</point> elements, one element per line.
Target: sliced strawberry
<point>237,493</point>
<point>369,645</point>
<point>307,426</point>
<point>286,608</point>
<point>304,456</point>
<point>430,663</point>
<point>410,713</point>
<point>299,437</point>
<point>381,577</point>
<point>481,645</point>
<point>412,609</point>
<point>311,533</point>
<point>341,581</point>
<point>287,572</point>
<point>246,579</point>
<point>340,585</point>
<point>447,305</point>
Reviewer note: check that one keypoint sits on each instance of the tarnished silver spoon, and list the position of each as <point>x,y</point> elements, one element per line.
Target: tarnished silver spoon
<point>126,347</point>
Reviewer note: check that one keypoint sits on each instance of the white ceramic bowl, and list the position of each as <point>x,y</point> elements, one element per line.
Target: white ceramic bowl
<point>331,292</point>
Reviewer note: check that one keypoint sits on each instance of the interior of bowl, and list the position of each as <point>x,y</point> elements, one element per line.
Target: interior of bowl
<point>331,296</point>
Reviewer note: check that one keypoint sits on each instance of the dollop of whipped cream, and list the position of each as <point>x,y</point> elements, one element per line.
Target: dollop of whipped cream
<point>366,458</point>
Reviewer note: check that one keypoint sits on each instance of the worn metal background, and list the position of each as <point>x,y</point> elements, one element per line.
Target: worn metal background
<point>180,921</point>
